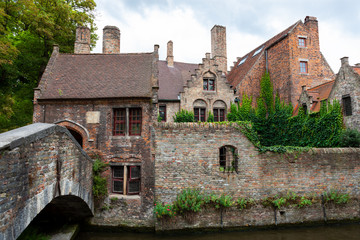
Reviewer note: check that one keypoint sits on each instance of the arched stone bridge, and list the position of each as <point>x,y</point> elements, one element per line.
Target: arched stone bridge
<point>41,164</point>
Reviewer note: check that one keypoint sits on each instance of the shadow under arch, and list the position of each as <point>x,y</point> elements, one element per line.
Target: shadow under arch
<point>79,132</point>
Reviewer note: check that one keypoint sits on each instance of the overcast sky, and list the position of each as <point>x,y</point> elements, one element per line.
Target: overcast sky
<point>248,23</point>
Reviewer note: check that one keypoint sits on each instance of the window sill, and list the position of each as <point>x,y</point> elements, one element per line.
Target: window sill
<point>302,47</point>
<point>121,196</point>
<point>305,74</point>
<point>126,137</point>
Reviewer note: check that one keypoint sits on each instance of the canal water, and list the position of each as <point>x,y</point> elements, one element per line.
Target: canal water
<point>333,232</point>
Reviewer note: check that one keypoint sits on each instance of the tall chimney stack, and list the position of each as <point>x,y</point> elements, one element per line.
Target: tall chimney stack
<point>82,41</point>
<point>111,40</point>
<point>170,57</point>
<point>218,47</point>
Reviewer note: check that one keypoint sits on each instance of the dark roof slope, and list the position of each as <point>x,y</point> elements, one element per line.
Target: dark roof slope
<point>85,76</point>
<point>240,71</point>
<point>172,79</point>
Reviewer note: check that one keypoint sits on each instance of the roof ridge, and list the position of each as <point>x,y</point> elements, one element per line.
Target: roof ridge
<point>320,85</point>
<point>104,54</point>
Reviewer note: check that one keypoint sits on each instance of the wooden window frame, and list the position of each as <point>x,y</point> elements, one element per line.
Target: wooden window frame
<point>124,120</point>
<point>207,83</point>
<point>162,112</point>
<point>219,114</point>
<point>200,114</point>
<point>302,42</point>
<point>126,179</point>
<point>304,67</point>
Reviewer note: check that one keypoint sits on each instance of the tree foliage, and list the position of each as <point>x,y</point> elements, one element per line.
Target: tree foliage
<point>28,30</point>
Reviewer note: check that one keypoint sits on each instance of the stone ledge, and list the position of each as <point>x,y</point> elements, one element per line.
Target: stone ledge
<point>195,125</point>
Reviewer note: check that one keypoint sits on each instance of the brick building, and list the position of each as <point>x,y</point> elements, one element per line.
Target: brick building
<point>199,88</point>
<point>345,88</point>
<point>293,59</point>
<point>106,101</point>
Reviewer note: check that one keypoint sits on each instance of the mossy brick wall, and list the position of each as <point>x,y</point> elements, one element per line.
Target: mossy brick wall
<point>187,156</point>
<point>32,169</point>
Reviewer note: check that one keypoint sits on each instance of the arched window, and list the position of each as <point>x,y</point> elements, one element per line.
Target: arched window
<point>228,159</point>
<point>219,110</point>
<point>200,110</point>
<point>209,82</point>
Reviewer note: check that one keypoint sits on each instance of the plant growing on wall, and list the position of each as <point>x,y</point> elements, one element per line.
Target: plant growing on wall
<point>184,116</point>
<point>99,182</point>
<point>210,117</point>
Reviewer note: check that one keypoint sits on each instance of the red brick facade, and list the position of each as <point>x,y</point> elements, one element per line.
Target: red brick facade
<point>281,56</point>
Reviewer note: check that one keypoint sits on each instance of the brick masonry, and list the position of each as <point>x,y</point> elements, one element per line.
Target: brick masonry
<point>187,156</point>
<point>36,167</point>
<point>113,150</point>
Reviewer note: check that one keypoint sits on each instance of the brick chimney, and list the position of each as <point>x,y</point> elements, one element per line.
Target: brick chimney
<point>82,41</point>
<point>111,40</point>
<point>218,47</point>
<point>170,56</point>
<point>312,24</point>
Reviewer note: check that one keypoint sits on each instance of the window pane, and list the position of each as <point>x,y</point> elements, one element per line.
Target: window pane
<point>196,114</point>
<point>134,172</point>
<point>216,115</point>
<point>162,113</point>
<point>118,172</point>
<point>347,106</point>
<point>222,115</point>
<point>134,187</point>
<point>135,121</point>
<point>119,121</point>
<point>222,157</point>
<point>202,114</point>
<point>303,67</point>
<point>205,84</point>
<point>118,186</point>
<point>211,85</point>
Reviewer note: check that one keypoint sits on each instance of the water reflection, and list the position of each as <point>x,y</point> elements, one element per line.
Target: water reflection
<point>335,232</point>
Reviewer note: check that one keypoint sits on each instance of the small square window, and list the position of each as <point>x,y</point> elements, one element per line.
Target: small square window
<point>302,42</point>
<point>199,114</point>
<point>127,121</point>
<point>303,67</point>
<point>209,84</point>
<point>126,179</point>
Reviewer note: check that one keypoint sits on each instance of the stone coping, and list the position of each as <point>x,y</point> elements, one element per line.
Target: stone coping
<point>196,125</point>
<point>31,133</point>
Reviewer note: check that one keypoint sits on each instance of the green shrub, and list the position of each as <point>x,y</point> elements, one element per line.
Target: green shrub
<point>243,203</point>
<point>210,117</point>
<point>162,210</point>
<point>99,182</point>
<point>350,138</point>
<point>335,197</point>
<point>304,202</point>
<point>189,200</point>
<point>184,116</point>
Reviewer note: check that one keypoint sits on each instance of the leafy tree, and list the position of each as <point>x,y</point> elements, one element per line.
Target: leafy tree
<point>28,30</point>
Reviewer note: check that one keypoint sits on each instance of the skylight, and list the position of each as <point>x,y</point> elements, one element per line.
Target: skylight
<point>258,51</point>
<point>242,61</point>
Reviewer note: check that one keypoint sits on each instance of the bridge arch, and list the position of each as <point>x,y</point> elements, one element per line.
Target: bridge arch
<point>43,165</point>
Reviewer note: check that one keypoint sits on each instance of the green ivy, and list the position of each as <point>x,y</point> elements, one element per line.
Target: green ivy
<point>99,182</point>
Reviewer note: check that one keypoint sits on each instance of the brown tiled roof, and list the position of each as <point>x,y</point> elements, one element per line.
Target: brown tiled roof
<point>239,71</point>
<point>85,76</point>
<point>172,79</point>
<point>357,69</point>
<point>318,93</point>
